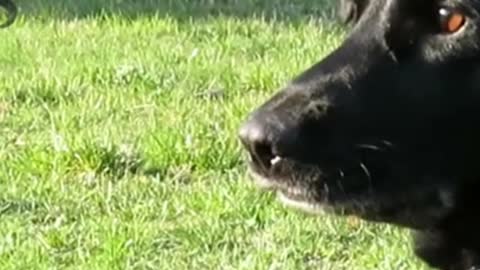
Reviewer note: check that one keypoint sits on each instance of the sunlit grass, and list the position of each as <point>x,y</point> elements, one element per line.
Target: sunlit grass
<point>119,147</point>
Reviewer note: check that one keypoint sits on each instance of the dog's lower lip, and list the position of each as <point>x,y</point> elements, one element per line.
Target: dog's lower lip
<point>294,201</point>
<point>262,182</point>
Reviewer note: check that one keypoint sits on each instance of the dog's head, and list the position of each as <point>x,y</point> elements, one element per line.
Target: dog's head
<point>386,126</point>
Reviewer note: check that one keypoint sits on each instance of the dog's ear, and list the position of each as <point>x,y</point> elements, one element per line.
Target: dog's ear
<point>349,11</point>
<point>11,10</point>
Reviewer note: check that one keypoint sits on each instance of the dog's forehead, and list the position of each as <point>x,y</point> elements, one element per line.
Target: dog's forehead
<point>388,4</point>
<point>386,14</point>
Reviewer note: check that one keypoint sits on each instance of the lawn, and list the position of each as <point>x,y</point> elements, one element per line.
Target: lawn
<point>119,141</point>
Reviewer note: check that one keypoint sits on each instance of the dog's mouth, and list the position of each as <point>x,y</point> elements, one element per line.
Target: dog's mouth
<point>297,185</point>
<point>301,203</point>
<point>388,186</point>
<point>318,188</point>
<point>295,197</point>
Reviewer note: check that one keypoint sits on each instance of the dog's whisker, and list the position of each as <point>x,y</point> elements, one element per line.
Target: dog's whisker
<point>339,181</point>
<point>387,144</point>
<point>367,173</point>
<point>327,190</point>
<point>369,147</point>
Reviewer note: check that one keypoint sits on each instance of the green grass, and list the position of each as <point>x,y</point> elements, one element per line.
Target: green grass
<point>115,154</point>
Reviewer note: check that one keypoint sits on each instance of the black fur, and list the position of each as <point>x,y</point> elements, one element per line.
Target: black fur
<point>386,128</point>
<point>11,9</point>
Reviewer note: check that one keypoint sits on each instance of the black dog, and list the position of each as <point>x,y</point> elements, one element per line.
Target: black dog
<point>11,9</point>
<point>386,127</point>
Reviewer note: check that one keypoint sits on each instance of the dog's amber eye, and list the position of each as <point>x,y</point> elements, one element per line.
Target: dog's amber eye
<point>451,20</point>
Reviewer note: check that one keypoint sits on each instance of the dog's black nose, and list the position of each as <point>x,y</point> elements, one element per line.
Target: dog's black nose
<point>257,139</point>
<point>266,138</point>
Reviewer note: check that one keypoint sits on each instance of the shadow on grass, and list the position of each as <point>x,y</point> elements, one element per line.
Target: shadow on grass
<point>16,207</point>
<point>278,10</point>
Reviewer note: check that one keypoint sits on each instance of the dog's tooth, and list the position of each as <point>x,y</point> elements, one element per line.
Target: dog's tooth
<point>275,160</point>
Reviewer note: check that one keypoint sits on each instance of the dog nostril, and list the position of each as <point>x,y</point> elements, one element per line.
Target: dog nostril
<point>264,155</point>
<point>255,138</point>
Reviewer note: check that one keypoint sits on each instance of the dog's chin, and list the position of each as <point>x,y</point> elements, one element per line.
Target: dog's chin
<point>290,197</point>
<point>300,204</point>
<point>262,182</point>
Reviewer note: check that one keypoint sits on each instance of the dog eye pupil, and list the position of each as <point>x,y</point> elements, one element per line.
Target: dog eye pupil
<point>451,20</point>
